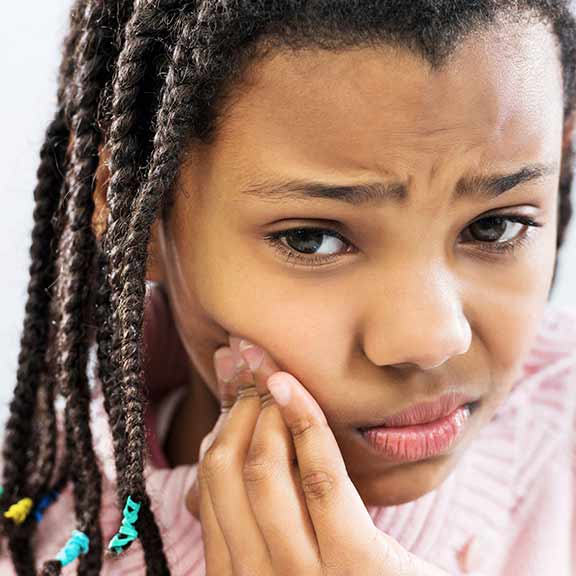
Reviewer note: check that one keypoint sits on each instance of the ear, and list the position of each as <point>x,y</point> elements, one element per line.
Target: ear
<point>568,132</point>
<point>154,266</point>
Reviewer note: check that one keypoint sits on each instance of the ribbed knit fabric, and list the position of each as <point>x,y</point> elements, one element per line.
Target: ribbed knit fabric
<point>507,509</point>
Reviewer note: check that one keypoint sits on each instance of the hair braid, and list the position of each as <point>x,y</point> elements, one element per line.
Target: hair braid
<point>128,138</point>
<point>131,476</point>
<point>35,341</point>
<point>128,134</point>
<point>77,265</point>
<point>46,422</point>
<point>34,338</point>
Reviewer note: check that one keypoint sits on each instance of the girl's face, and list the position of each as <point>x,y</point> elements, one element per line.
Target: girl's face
<point>407,301</point>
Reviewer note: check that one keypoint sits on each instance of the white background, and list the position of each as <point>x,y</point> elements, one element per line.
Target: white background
<point>31,36</point>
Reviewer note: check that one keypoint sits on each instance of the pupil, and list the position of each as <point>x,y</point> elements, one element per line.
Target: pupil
<point>495,224</point>
<point>310,240</point>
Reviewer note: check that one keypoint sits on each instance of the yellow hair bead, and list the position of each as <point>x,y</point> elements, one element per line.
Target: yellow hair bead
<point>19,511</point>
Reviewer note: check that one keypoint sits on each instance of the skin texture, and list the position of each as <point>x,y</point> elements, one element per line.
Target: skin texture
<point>413,305</point>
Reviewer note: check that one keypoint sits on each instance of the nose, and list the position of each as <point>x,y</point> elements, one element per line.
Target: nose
<point>423,325</point>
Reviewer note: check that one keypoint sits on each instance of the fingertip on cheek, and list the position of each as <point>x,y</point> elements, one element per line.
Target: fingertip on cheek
<point>288,392</point>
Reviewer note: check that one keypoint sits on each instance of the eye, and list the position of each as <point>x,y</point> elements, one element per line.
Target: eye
<point>314,247</point>
<point>317,242</point>
<point>502,233</point>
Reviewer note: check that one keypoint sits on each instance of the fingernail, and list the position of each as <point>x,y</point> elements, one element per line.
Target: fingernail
<point>224,364</point>
<point>252,353</point>
<point>244,345</point>
<point>280,390</point>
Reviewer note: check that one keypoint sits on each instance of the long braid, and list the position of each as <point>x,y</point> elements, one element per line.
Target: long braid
<point>33,342</point>
<point>77,263</point>
<point>54,567</point>
<point>131,477</point>
<point>126,142</point>
<point>47,425</point>
<point>128,146</point>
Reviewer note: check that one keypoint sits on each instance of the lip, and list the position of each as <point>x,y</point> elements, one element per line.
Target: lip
<point>424,412</point>
<point>419,442</point>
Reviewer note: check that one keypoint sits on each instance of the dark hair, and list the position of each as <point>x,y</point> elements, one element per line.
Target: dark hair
<point>146,79</point>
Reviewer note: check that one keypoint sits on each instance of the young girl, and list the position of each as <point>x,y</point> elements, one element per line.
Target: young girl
<point>370,194</point>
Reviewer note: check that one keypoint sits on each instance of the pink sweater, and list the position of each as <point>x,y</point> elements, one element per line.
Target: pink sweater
<point>507,509</point>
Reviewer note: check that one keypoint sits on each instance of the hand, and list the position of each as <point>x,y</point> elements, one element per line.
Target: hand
<point>274,494</point>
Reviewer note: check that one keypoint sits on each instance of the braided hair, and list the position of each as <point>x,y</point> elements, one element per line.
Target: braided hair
<point>142,80</point>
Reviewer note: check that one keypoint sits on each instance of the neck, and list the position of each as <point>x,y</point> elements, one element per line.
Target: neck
<point>194,418</point>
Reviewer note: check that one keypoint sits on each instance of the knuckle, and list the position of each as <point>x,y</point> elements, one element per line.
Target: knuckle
<point>318,484</point>
<point>259,467</point>
<point>302,427</point>
<point>256,471</point>
<point>216,460</point>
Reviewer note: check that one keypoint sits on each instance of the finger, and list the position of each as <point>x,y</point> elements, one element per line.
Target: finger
<point>332,499</point>
<point>216,553</point>
<point>227,392</point>
<point>192,499</point>
<point>223,464</point>
<point>273,484</point>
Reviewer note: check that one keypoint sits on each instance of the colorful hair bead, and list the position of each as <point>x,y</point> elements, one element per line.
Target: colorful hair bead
<point>40,508</point>
<point>1,490</point>
<point>78,544</point>
<point>19,511</point>
<point>127,532</point>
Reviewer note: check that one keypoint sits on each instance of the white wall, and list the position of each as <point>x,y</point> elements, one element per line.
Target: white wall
<point>30,41</point>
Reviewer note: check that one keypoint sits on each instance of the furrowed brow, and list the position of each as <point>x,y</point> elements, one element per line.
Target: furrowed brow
<point>372,193</point>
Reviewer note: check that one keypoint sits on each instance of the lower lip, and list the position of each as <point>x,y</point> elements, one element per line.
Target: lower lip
<point>411,443</point>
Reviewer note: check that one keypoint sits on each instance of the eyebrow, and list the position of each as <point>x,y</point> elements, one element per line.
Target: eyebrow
<point>471,186</point>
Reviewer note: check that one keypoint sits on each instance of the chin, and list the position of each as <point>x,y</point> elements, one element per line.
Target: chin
<point>404,483</point>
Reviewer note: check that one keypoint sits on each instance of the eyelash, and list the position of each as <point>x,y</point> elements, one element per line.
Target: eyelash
<point>508,248</point>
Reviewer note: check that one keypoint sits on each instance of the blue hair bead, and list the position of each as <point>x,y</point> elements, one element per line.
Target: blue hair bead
<point>78,544</point>
<point>127,531</point>
<point>49,499</point>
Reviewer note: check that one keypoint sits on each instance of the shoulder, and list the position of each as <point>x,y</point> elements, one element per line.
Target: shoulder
<point>550,370</point>
<point>555,340</point>
<point>544,405</point>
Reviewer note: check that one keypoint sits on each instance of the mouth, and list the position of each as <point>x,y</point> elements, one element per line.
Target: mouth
<point>425,412</point>
<point>422,431</point>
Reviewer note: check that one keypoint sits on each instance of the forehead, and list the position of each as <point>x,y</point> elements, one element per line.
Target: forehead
<point>385,111</point>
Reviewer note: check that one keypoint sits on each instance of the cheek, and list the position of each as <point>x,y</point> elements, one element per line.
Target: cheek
<point>308,328</point>
<point>305,330</point>
<point>507,317</point>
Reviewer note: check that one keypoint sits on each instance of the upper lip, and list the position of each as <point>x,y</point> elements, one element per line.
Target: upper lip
<point>426,411</point>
